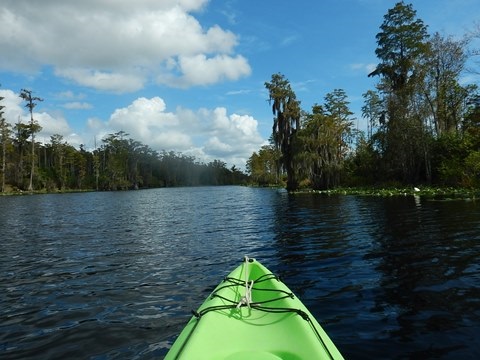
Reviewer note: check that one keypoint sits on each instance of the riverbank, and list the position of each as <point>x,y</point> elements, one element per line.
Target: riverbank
<point>44,191</point>
<point>431,192</point>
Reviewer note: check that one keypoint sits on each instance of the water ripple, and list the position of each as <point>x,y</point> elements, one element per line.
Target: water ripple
<point>115,275</point>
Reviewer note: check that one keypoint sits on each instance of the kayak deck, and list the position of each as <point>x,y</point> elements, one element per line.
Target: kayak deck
<point>253,315</point>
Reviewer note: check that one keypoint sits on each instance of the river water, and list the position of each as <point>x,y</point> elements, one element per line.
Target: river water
<point>114,275</point>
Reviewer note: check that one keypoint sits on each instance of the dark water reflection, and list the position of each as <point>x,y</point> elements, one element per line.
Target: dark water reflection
<point>115,275</point>
<point>404,271</point>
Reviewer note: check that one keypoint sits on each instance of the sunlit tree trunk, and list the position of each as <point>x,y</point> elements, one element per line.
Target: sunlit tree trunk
<point>4,132</point>
<point>26,95</point>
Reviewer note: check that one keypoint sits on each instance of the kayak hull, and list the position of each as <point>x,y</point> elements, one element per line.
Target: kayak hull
<point>253,315</point>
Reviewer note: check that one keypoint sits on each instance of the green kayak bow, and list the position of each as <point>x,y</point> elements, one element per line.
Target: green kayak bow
<point>252,315</point>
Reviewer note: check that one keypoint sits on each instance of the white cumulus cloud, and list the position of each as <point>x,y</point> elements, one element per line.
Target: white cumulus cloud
<point>202,70</point>
<point>117,46</point>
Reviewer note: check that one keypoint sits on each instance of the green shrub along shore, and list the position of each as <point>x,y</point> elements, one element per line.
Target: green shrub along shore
<point>428,192</point>
<point>441,193</point>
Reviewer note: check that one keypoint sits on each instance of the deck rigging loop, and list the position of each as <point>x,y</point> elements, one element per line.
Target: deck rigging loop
<point>246,300</point>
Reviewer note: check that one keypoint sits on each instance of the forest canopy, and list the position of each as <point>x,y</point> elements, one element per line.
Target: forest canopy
<point>119,163</point>
<point>423,122</point>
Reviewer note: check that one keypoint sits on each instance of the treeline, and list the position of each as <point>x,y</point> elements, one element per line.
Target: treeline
<point>423,122</point>
<point>120,163</point>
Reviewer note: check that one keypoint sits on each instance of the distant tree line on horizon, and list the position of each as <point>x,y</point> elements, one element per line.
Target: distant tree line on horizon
<point>423,123</point>
<point>120,163</point>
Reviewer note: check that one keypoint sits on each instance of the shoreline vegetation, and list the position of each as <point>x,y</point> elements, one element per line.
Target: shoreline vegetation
<point>444,193</point>
<point>431,192</point>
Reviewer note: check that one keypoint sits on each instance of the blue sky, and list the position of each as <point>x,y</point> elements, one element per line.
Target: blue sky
<point>188,75</point>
